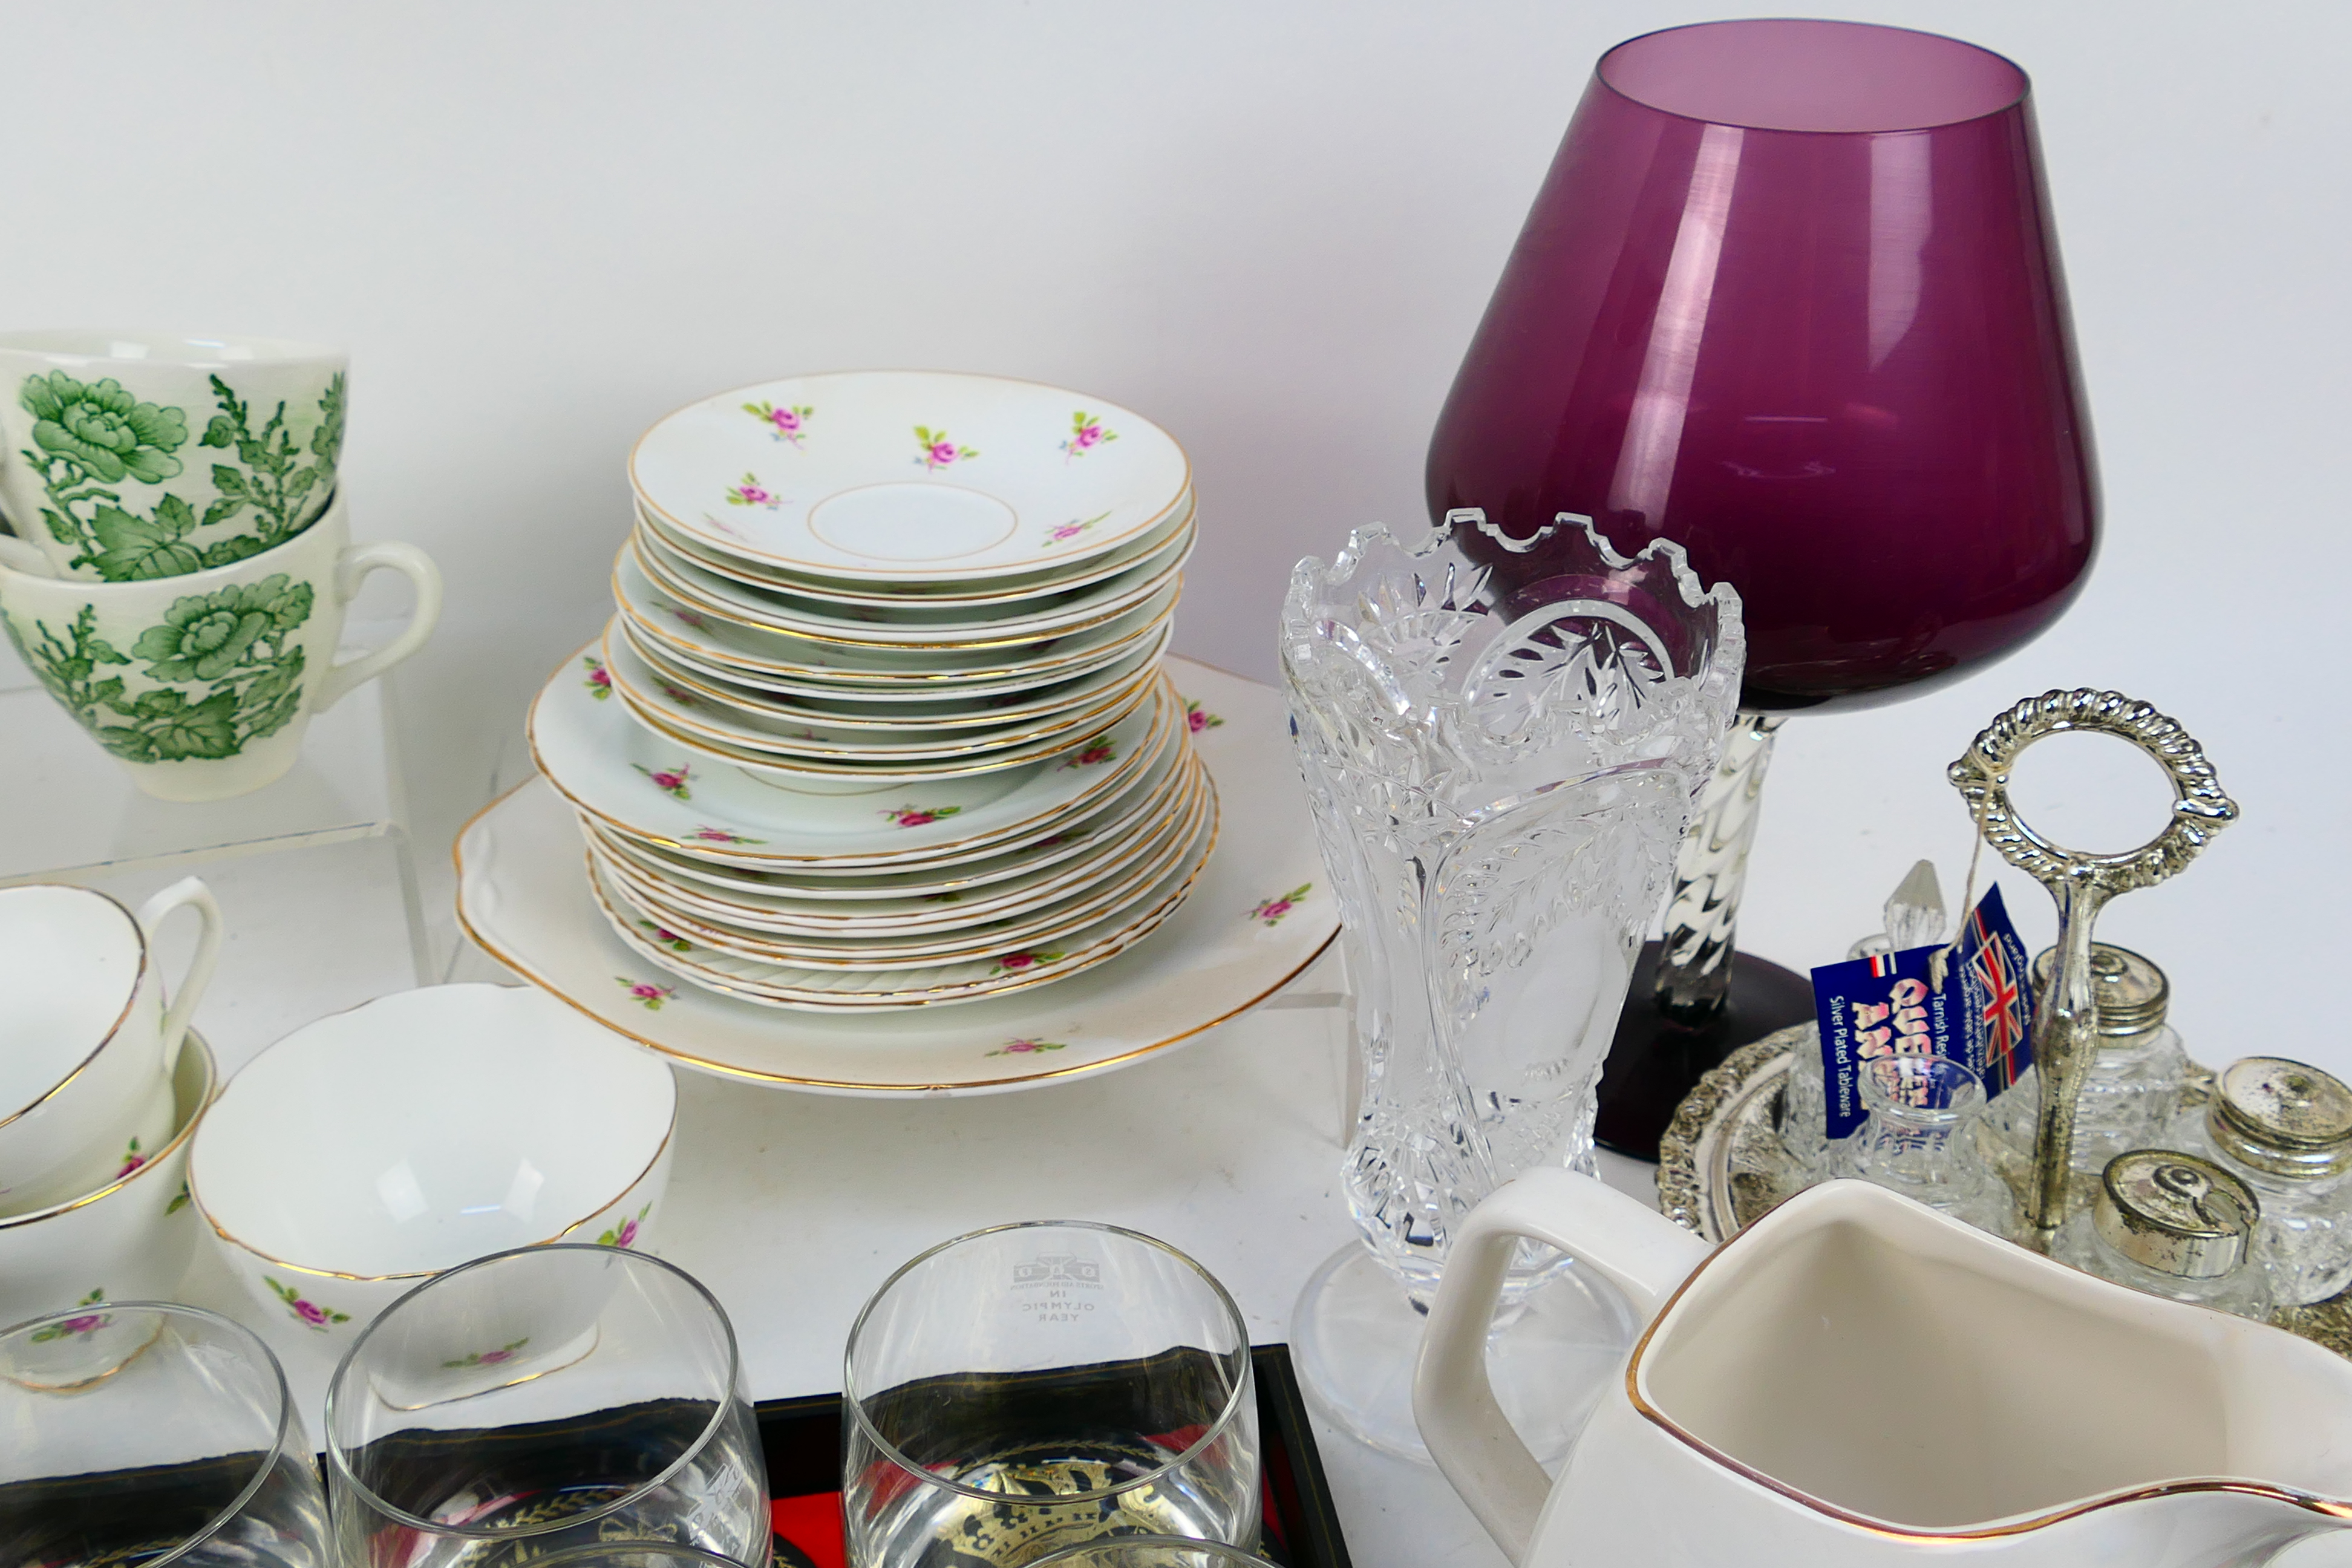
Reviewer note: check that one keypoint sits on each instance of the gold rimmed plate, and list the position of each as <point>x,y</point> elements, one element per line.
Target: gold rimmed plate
<point>1258,917</point>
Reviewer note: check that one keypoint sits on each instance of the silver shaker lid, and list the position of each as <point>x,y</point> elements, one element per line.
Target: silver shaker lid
<point>2130,993</point>
<point>2175,1212</point>
<point>2282,1118</point>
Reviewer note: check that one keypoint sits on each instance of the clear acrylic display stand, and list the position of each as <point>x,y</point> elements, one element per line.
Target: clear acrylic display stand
<point>315,874</point>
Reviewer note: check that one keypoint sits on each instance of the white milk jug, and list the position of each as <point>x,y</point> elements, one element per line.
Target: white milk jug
<point>1857,1380</point>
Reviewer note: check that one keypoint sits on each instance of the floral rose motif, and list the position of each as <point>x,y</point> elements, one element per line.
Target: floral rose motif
<point>784,424</point>
<point>131,1160</point>
<point>625,1233</point>
<point>722,835</point>
<point>1087,433</point>
<point>683,697</point>
<point>918,816</point>
<point>938,451</point>
<point>668,939</point>
<point>1196,719</point>
<point>83,1325</point>
<point>1024,1048</point>
<point>505,1352</point>
<point>671,781</point>
<point>103,430</point>
<point>204,635</point>
<point>688,617</point>
<point>649,996</point>
<point>309,1313</point>
<point>1015,962</point>
<point>1061,531</point>
<point>1093,753</point>
<point>1271,910</point>
<point>751,493</point>
<point>600,679</point>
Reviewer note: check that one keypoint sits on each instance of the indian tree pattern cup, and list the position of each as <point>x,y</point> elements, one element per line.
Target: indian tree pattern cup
<point>126,454</point>
<point>202,685</point>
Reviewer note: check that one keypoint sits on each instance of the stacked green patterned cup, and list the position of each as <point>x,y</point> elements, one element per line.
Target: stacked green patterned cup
<point>183,556</point>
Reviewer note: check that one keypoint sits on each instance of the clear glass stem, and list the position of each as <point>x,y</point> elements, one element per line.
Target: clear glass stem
<point>1702,921</point>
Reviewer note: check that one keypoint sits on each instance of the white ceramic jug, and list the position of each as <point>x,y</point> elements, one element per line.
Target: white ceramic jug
<point>1856,1379</point>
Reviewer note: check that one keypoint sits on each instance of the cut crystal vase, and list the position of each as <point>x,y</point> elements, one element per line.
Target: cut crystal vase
<point>1500,780</point>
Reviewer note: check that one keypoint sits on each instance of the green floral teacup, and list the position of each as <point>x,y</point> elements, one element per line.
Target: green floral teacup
<point>203,684</point>
<point>126,456</point>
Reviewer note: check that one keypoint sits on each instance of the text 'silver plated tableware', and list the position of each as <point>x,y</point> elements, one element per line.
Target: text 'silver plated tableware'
<point>1856,1381</point>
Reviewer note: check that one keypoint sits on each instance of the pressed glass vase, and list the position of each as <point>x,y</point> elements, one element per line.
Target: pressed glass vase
<point>1500,777</point>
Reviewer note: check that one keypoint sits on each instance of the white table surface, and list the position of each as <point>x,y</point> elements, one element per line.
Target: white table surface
<point>793,1207</point>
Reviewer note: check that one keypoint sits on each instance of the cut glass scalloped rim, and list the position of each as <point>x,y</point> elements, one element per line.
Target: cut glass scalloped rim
<point>595,747</point>
<point>1313,585</point>
<point>681,466</point>
<point>522,898</point>
<point>1039,924</point>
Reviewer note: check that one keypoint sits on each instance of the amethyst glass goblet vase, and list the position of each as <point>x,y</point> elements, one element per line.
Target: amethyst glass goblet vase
<point>1790,296</point>
<point>1499,778</point>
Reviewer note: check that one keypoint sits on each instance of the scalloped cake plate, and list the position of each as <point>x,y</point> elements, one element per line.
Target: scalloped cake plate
<point>1246,930</point>
<point>909,476</point>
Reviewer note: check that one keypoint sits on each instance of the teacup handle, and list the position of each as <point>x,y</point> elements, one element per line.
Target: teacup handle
<point>187,892</point>
<point>1630,1244</point>
<point>351,568</point>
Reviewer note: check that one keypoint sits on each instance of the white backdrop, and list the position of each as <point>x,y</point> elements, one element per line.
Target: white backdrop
<point>540,224</point>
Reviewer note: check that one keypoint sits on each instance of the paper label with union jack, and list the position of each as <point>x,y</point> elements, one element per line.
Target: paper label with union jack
<point>1889,1004</point>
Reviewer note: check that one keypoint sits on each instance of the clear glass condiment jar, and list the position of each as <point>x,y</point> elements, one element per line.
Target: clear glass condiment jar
<point>2286,1130</point>
<point>2175,1226</point>
<point>1919,1139</point>
<point>2133,1088</point>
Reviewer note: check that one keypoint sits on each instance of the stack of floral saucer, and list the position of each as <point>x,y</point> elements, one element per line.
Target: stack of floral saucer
<point>880,720</point>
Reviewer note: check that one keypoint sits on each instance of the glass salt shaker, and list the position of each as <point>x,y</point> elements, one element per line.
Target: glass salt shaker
<point>2286,1130</point>
<point>2134,1085</point>
<point>2176,1226</point>
<point>1914,918</point>
<point>1919,1139</point>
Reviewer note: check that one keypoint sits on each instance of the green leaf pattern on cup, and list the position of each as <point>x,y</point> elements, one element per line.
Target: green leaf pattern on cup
<point>90,436</point>
<point>226,670</point>
<point>307,1313</point>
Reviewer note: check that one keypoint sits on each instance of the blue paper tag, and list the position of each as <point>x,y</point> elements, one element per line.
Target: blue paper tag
<point>1888,1005</point>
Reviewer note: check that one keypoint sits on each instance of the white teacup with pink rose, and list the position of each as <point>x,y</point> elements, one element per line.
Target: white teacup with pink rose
<point>371,1150</point>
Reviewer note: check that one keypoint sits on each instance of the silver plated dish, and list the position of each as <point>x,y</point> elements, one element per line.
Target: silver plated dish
<point>1722,1166</point>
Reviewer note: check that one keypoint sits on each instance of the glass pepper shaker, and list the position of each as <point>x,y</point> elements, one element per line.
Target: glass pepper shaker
<point>1919,1139</point>
<point>2286,1130</point>
<point>2133,1086</point>
<point>2176,1226</point>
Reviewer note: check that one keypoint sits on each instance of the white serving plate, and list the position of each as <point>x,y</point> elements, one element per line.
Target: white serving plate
<point>849,711</point>
<point>523,896</point>
<point>698,716</point>
<point>675,929</point>
<point>845,636</point>
<point>1085,856</point>
<point>1039,862</point>
<point>946,983</point>
<point>993,591</point>
<point>809,775</point>
<point>644,785</point>
<point>907,475</point>
<point>711,639</point>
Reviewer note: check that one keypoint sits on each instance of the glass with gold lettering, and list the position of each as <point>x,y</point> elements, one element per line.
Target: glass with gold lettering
<point>1032,1388</point>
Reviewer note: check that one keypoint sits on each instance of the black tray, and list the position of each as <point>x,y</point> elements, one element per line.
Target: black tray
<point>801,1438</point>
